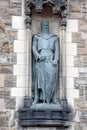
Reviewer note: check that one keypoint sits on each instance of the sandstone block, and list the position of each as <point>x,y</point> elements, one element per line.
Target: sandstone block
<point>81,44</point>
<point>22,81</point>
<point>20,46</point>
<point>10,103</point>
<point>71,49</point>
<point>4,121</point>
<point>82,92</point>
<point>74,7</point>
<point>17,92</point>
<point>6,47</point>
<point>2,105</point>
<point>76,37</point>
<point>70,83</point>
<point>2,26</point>
<point>1,80</point>
<point>72,25</point>
<point>82,69</point>
<point>18,22</point>
<point>6,69</point>
<point>22,34</point>
<point>69,60</point>
<point>76,15</point>
<point>68,37</point>
<point>5,3</point>
<point>80,104</point>
<point>77,62</point>
<point>72,72</point>
<point>82,25</point>
<point>72,93</point>
<point>83,119</point>
<point>22,58</point>
<point>80,81</point>
<point>10,81</point>
<point>16,5</point>
<point>13,58</point>
<point>5,11</point>
<point>4,93</point>
<point>20,70</point>
<point>5,58</point>
<point>82,51</point>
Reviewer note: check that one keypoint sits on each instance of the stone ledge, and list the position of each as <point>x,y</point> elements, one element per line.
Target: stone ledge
<point>46,116</point>
<point>49,123</point>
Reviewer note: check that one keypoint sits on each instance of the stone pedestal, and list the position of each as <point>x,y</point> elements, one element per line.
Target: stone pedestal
<point>44,115</point>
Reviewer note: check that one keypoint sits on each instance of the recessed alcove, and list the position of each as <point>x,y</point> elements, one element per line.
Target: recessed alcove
<point>54,23</point>
<point>46,116</point>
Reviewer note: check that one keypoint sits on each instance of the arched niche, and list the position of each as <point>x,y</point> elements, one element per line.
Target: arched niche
<point>46,14</point>
<point>57,7</point>
<point>54,23</point>
<point>55,12</point>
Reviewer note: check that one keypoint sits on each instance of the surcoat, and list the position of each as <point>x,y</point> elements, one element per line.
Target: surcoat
<point>45,74</point>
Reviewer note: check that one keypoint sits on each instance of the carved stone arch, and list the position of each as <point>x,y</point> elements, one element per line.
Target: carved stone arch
<point>59,7</point>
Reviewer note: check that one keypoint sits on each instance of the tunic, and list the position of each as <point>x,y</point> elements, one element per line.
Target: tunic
<point>45,74</point>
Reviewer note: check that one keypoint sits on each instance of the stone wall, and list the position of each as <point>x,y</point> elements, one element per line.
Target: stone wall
<point>78,10</point>
<point>14,61</point>
<point>8,8</point>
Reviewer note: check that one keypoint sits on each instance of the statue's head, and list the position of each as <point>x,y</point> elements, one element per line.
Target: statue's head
<point>45,26</point>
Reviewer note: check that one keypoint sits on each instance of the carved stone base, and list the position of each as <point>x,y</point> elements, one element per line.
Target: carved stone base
<point>34,116</point>
<point>44,117</point>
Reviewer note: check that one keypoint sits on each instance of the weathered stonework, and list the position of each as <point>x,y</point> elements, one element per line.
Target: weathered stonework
<point>7,60</point>
<point>78,10</point>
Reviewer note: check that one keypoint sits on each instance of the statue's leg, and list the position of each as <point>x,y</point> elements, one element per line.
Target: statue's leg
<point>36,92</point>
<point>44,96</point>
<point>44,86</point>
<point>55,100</point>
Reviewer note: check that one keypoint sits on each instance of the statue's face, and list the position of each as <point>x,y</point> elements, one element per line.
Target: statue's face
<point>45,27</point>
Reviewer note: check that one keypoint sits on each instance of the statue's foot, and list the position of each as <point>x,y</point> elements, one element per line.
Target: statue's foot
<point>44,101</point>
<point>57,103</point>
<point>35,101</point>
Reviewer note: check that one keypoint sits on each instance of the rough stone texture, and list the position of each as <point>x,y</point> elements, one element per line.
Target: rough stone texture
<point>4,93</point>
<point>10,81</point>
<point>4,118</point>
<point>8,8</point>
<point>10,103</point>
<point>78,10</point>
<point>74,7</point>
